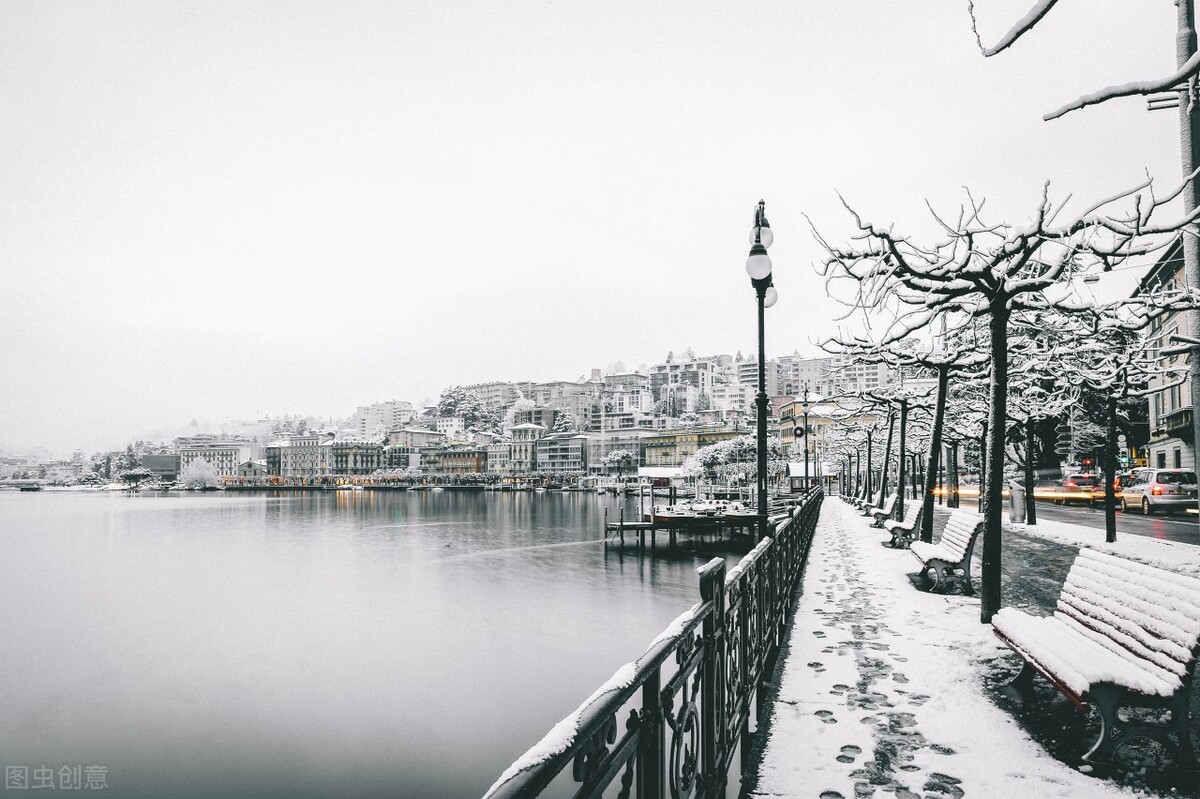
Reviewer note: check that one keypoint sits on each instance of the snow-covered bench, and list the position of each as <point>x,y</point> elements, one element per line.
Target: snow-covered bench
<point>950,558</point>
<point>1124,634</point>
<point>904,531</point>
<point>884,511</point>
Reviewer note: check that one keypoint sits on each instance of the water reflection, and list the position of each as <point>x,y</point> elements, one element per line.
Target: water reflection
<point>352,643</point>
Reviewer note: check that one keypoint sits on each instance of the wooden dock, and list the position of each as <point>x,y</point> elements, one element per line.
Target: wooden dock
<point>691,533</point>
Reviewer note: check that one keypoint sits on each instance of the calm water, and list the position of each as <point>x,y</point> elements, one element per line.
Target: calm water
<point>332,644</point>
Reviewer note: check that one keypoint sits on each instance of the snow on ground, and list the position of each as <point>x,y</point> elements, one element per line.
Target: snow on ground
<point>882,691</point>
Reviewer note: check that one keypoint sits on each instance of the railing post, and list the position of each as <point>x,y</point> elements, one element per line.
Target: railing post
<point>653,746</point>
<point>712,719</point>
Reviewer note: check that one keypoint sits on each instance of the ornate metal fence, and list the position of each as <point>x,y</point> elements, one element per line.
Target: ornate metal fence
<point>672,722</point>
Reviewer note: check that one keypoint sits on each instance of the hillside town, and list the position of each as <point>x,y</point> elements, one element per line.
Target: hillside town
<point>560,430</point>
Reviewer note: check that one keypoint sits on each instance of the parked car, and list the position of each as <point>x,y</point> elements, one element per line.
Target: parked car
<point>1075,488</point>
<point>1119,483</point>
<point>1160,489</point>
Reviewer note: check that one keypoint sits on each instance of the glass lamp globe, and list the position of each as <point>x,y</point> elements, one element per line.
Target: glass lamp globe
<point>762,234</point>
<point>758,265</point>
<point>770,297</point>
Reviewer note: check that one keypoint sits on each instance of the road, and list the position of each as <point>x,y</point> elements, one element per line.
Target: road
<point>1179,527</point>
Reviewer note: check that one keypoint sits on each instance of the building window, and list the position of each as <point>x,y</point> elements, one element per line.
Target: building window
<point>1177,458</point>
<point>1161,458</point>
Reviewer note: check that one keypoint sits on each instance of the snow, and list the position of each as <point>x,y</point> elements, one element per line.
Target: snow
<point>882,691</point>
<point>563,734</point>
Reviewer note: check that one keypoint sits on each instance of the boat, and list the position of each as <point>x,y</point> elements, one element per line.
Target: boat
<point>437,488</point>
<point>739,513</point>
<point>31,488</point>
<point>670,514</point>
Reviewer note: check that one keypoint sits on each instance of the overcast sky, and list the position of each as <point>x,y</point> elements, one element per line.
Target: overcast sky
<point>214,210</point>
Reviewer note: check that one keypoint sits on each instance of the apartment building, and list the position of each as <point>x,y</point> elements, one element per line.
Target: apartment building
<point>1171,443</point>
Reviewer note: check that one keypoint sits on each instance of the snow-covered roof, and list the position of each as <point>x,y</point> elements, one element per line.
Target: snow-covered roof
<point>660,471</point>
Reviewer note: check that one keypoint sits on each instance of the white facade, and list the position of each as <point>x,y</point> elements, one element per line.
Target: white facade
<point>223,455</point>
<point>450,426</point>
<point>371,419</point>
<point>305,456</point>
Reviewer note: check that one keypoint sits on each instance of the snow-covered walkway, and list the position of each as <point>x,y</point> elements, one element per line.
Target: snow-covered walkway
<point>883,689</point>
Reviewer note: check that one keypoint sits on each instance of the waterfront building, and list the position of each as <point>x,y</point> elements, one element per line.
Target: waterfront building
<point>415,438</point>
<point>306,455</point>
<point>162,467</point>
<point>828,421</point>
<point>499,458</point>
<point>673,447</point>
<point>600,444</point>
<point>524,446</point>
<point>252,468</point>
<point>222,454</point>
<point>462,460</point>
<point>355,457</point>
<point>562,454</point>
<point>398,458</point>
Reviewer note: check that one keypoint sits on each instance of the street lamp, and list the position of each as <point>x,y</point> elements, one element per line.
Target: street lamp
<point>758,266</point>
<point>804,410</point>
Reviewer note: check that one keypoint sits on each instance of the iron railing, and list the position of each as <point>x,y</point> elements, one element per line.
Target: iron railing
<point>687,703</point>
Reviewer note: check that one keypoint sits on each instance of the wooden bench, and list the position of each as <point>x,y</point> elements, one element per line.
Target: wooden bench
<point>949,559</point>
<point>904,531</point>
<point>1124,634</point>
<point>884,512</point>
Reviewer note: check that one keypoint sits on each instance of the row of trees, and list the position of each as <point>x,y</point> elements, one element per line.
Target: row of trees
<point>1002,300</point>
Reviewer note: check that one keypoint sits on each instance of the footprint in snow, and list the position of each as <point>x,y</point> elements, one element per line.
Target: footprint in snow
<point>849,753</point>
<point>826,716</point>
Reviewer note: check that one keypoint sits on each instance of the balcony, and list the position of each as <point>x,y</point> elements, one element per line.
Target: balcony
<point>1178,423</point>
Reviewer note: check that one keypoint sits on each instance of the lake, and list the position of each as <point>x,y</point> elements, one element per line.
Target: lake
<point>365,643</point>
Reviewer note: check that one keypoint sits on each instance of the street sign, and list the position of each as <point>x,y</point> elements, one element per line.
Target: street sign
<point>1121,441</point>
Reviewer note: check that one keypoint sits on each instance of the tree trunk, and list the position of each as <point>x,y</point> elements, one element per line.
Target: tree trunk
<point>902,459</point>
<point>935,449</point>
<point>870,462</point>
<point>887,454</point>
<point>952,477</point>
<point>1110,471</point>
<point>1030,508</point>
<point>983,434</point>
<point>993,507</point>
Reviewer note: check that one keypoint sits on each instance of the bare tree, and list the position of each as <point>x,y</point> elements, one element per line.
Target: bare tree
<point>983,271</point>
<point>1180,88</point>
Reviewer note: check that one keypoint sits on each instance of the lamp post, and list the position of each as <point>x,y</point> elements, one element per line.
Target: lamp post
<point>758,266</point>
<point>804,410</point>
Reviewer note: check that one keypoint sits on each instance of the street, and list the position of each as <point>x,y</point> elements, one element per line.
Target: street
<point>1178,527</point>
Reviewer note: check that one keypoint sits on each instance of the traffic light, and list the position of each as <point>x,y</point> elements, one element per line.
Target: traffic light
<point>1087,463</point>
<point>1063,444</point>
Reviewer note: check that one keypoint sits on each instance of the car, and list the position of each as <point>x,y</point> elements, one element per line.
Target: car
<point>1153,490</point>
<point>1119,483</point>
<point>1075,488</point>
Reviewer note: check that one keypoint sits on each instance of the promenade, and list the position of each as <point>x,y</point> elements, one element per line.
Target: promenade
<point>889,690</point>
